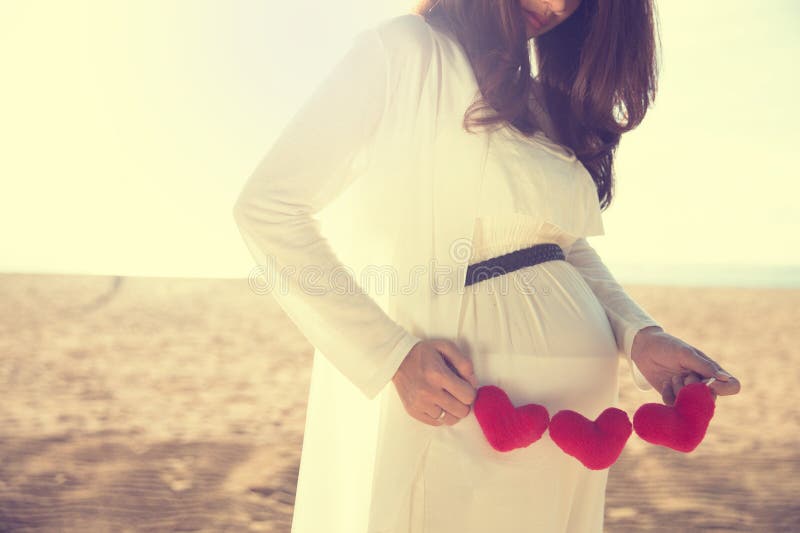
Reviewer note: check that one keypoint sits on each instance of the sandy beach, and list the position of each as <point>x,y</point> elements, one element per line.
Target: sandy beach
<point>161,404</point>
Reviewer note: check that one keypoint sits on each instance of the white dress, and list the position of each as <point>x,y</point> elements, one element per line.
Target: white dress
<point>556,346</point>
<point>541,334</point>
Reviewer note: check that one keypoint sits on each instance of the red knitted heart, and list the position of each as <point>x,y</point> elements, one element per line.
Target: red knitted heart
<point>596,444</point>
<point>681,426</point>
<point>507,427</point>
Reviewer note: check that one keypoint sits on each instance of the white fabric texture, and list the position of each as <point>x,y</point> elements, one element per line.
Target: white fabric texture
<point>375,171</point>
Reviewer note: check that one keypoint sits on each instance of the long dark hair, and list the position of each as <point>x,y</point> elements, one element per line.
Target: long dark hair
<point>596,68</point>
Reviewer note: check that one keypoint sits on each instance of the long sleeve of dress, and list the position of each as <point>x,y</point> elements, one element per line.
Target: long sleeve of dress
<point>306,168</point>
<point>624,314</point>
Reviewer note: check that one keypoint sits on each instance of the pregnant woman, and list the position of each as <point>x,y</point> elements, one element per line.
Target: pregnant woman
<point>387,168</point>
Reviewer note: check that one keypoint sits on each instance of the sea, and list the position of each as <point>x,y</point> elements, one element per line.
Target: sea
<point>708,275</point>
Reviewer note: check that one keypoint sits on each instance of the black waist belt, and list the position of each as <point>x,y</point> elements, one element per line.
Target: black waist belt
<point>503,264</point>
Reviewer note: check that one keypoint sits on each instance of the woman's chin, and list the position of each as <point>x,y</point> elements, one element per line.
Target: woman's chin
<point>535,32</point>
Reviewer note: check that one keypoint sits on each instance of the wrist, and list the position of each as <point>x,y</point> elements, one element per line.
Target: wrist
<point>640,336</point>
<point>415,340</point>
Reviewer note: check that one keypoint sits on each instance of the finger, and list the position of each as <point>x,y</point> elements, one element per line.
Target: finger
<point>453,384</point>
<point>460,363</point>
<point>725,384</point>
<point>721,374</point>
<point>692,360</point>
<point>462,391</point>
<point>447,420</point>
<point>693,377</point>
<point>726,388</point>
<point>667,394</point>
<point>425,417</point>
<point>433,412</point>
<point>677,384</point>
<point>451,404</point>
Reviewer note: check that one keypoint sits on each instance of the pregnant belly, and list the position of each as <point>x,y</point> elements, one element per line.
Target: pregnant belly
<point>543,337</point>
<point>541,334</point>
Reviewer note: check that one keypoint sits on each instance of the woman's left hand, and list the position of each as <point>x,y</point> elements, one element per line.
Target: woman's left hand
<point>669,364</point>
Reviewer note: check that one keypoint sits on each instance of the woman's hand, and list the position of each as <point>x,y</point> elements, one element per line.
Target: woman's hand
<point>669,364</point>
<point>435,375</point>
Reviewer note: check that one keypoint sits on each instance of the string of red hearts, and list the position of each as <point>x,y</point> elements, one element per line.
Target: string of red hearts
<point>596,443</point>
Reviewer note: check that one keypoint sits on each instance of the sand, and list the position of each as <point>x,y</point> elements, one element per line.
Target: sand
<point>158,404</point>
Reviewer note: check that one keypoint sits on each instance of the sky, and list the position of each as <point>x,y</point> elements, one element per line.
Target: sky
<point>127,130</point>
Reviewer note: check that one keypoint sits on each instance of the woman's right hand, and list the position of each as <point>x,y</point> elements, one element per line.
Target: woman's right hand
<point>436,375</point>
